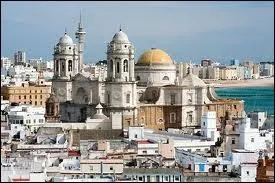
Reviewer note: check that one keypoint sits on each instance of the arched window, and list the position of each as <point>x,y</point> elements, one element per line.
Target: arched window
<point>63,66</point>
<point>117,67</point>
<point>56,66</point>
<point>111,64</point>
<point>70,65</point>
<point>125,65</point>
<point>165,78</point>
<point>138,78</point>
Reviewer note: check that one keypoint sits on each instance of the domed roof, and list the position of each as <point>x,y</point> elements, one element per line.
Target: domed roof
<point>154,57</point>
<point>99,114</point>
<point>192,80</point>
<point>65,39</point>
<point>120,36</point>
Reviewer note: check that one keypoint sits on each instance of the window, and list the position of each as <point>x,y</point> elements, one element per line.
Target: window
<point>30,102</point>
<point>21,121</point>
<point>165,78</point>
<point>25,97</point>
<point>19,97</point>
<point>34,121</point>
<point>41,91</point>
<point>111,168</point>
<point>35,96</point>
<point>235,106</point>
<point>56,66</point>
<point>41,103</point>
<point>128,98</point>
<point>30,97</point>
<point>35,103</point>
<point>189,98</point>
<point>108,99</point>
<point>117,67</point>
<point>41,120</point>
<point>190,118</point>
<point>247,172</point>
<point>173,99</point>
<point>233,128</point>
<point>156,151</point>
<point>35,91</point>
<point>233,141</point>
<point>111,65</point>
<point>91,167</point>
<point>140,178</point>
<point>63,66</point>
<point>144,152</point>
<point>166,178</point>
<point>224,168</point>
<point>41,96</point>
<point>70,65</point>
<point>177,178</point>
<point>138,78</point>
<point>252,139</point>
<point>173,117</point>
<point>203,123</point>
<point>125,66</point>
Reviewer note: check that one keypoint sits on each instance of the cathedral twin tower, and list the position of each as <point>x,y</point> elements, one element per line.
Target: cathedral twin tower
<point>120,84</point>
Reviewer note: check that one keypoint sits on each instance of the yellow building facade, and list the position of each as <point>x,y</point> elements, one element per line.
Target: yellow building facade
<point>27,94</point>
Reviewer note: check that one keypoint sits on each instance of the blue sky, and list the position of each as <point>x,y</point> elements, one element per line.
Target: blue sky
<point>185,30</point>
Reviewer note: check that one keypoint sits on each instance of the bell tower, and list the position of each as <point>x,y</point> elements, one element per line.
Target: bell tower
<point>65,67</point>
<point>121,84</point>
<point>80,36</point>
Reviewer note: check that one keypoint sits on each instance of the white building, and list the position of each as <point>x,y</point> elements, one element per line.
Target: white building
<point>5,62</point>
<point>209,126</point>
<point>257,119</point>
<point>248,172</point>
<point>101,166</point>
<point>135,132</point>
<point>22,73</point>
<point>251,138</point>
<point>27,116</point>
<point>147,147</point>
<point>97,70</point>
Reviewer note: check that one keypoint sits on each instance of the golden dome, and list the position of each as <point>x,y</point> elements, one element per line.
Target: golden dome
<point>154,57</point>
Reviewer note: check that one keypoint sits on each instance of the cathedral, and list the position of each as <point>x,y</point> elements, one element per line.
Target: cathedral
<point>147,92</point>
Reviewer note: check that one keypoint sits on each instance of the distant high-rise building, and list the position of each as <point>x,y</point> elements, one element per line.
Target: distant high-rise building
<point>235,62</point>
<point>206,62</point>
<point>19,57</point>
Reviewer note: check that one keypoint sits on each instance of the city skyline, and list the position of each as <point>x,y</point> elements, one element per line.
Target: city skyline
<point>215,30</point>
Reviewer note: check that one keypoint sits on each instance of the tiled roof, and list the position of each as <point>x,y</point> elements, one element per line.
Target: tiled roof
<point>90,134</point>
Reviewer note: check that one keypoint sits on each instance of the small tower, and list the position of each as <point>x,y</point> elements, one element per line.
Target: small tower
<point>80,35</point>
<point>52,109</point>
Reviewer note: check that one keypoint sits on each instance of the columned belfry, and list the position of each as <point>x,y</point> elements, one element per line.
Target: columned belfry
<point>121,84</point>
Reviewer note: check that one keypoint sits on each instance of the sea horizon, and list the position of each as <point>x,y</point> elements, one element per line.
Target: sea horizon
<point>257,98</point>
